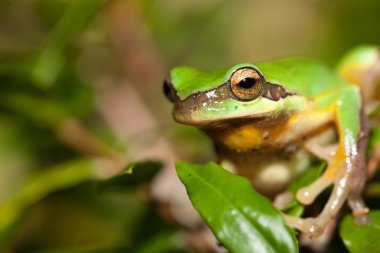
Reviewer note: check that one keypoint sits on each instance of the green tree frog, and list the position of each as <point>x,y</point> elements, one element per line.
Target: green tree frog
<point>267,118</point>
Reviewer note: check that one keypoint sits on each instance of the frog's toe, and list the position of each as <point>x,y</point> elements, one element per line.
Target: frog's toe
<point>319,244</point>
<point>309,226</point>
<point>361,217</point>
<point>312,228</point>
<point>308,194</point>
<point>362,220</point>
<point>305,196</point>
<point>359,209</point>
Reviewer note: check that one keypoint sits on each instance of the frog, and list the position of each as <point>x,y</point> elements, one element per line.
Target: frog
<point>268,119</point>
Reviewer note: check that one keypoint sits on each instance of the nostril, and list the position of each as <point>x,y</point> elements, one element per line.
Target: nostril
<point>168,91</point>
<point>166,88</point>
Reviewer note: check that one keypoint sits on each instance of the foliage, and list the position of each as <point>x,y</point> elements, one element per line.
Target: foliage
<point>361,239</point>
<point>242,220</point>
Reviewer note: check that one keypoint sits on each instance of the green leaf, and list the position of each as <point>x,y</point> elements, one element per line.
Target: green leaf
<point>49,112</point>
<point>241,219</point>
<point>40,185</point>
<point>148,167</point>
<point>294,208</point>
<point>361,239</point>
<point>161,243</point>
<point>135,173</point>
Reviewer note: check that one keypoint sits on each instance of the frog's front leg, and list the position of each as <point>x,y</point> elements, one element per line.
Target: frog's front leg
<point>346,170</point>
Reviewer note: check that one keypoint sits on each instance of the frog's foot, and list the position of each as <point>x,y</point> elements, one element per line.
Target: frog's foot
<point>312,227</point>
<point>317,146</point>
<point>336,173</point>
<point>347,186</point>
<point>359,210</point>
<point>320,243</point>
<point>307,195</point>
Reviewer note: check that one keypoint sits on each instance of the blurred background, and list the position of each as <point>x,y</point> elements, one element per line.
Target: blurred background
<point>86,135</point>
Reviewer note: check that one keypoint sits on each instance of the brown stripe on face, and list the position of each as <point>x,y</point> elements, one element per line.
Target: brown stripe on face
<point>203,99</point>
<point>275,92</point>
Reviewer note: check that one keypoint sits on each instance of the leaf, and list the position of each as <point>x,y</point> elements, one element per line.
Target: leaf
<point>161,243</point>
<point>294,208</point>
<point>144,169</point>
<point>40,185</point>
<point>134,173</point>
<point>361,239</point>
<point>129,169</point>
<point>241,219</point>
<point>49,112</point>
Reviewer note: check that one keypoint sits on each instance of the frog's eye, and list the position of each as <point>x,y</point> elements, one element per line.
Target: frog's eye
<point>247,83</point>
<point>169,91</point>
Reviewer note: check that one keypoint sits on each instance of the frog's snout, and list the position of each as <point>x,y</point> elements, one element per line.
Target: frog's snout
<point>169,90</point>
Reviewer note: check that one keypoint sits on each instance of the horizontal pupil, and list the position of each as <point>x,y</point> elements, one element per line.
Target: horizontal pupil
<point>247,83</point>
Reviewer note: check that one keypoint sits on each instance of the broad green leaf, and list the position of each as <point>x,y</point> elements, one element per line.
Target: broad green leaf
<point>361,239</point>
<point>242,220</point>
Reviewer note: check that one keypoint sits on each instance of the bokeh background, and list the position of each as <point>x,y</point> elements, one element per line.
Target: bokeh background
<point>81,106</point>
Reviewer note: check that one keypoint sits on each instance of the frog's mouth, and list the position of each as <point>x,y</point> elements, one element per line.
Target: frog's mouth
<point>220,118</point>
<point>236,122</point>
<point>228,111</point>
<point>260,122</point>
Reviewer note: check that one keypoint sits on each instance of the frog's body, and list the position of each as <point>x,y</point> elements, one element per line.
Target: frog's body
<point>260,116</point>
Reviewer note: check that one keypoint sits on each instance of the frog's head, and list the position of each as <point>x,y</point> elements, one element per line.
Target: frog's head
<point>208,97</point>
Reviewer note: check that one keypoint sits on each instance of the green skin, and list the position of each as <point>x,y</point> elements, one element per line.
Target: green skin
<point>317,99</point>
<point>303,77</point>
